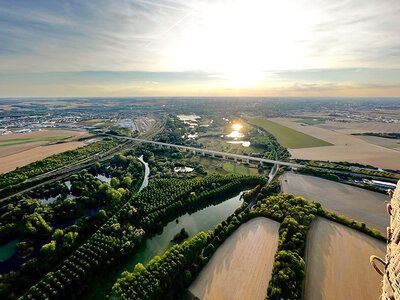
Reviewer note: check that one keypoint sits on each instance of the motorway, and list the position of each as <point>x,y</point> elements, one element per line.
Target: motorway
<point>62,172</point>
<point>213,153</point>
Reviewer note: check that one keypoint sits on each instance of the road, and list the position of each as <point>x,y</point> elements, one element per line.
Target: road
<point>213,153</point>
<point>65,171</point>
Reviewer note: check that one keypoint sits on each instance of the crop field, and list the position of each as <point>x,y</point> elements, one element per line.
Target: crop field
<point>352,202</point>
<point>345,147</point>
<point>241,267</point>
<point>337,263</point>
<point>10,162</point>
<point>286,136</point>
<point>19,149</point>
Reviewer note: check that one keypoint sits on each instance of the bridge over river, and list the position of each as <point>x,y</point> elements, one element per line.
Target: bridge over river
<point>212,153</point>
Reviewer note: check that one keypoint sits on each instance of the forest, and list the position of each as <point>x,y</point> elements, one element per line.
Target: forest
<point>136,220</point>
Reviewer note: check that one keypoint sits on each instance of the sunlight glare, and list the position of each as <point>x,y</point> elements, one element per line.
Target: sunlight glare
<point>237,126</point>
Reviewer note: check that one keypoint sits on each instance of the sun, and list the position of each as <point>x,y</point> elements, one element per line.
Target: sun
<point>237,126</point>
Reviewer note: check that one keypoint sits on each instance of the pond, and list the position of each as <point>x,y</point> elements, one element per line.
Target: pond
<point>103,178</point>
<point>202,220</point>
<point>235,134</point>
<point>8,250</point>
<point>183,169</point>
<point>244,143</point>
<point>188,118</point>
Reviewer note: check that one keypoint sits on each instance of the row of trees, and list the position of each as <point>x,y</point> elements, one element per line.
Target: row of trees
<point>151,281</point>
<point>79,212</point>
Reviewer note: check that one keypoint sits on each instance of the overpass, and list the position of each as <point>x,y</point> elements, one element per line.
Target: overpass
<point>212,153</point>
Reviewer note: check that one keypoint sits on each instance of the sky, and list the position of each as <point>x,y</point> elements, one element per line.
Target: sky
<point>68,48</point>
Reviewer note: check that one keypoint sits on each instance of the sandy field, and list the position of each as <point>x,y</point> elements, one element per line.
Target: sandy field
<point>241,267</point>
<point>346,147</point>
<point>352,202</point>
<point>338,265</point>
<point>10,162</point>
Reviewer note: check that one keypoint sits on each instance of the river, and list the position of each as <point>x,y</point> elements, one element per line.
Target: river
<point>9,258</point>
<point>202,220</point>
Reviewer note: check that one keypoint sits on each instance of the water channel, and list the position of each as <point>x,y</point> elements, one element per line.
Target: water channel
<point>203,220</point>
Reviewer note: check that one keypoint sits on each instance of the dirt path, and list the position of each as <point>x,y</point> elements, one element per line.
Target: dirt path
<point>241,268</point>
<point>338,263</point>
<point>351,202</point>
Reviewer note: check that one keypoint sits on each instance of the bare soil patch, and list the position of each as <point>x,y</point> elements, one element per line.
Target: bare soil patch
<point>241,267</point>
<point>346,200</point>
<point>338,263</point>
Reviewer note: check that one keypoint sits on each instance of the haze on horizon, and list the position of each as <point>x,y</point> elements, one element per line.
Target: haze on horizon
<point>199,48</point>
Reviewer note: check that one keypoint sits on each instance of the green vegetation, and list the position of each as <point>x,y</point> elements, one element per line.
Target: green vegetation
<point>151,281</point>
<point>8,181</point>
<point>286,136</point>
<point>318,172</point>
<point>13,142</point>
<point>181,236</point>
<point>387,135</point>
<point>232,167</point>
<point>33,222</point>
<point>145,213</point>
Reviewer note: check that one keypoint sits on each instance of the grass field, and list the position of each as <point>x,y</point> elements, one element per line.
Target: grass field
<point>241,267</point>
<point>286,136</point>
<point>224,167</point>
<point>337,259</point>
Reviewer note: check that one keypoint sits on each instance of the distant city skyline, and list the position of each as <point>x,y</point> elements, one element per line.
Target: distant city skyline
<point>199,48</point>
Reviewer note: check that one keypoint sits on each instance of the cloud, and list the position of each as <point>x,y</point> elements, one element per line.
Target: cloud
<point>303,45</point>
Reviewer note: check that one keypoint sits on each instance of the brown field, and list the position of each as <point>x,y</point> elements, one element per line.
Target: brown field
<point>338,266</point>
<point>352,202</point>
<point>10,162</point>
<point>345,147</point>
<point>241,267</point>
<point>22,153</point>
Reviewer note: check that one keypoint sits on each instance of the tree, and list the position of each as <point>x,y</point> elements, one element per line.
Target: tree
<point>49,248</point>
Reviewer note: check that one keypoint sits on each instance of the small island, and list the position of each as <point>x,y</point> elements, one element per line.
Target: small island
<point>180,236</point>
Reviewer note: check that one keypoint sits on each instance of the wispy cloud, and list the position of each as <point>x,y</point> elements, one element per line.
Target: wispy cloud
<point>299,45</point>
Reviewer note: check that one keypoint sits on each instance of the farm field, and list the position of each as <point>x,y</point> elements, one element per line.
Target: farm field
<point>352,202</point>
<point>19,149</point>
<point>345,147</point>
<point>360,127</point>
<point>337,263</point>
<point>241,267</point>
<point>10,162</point>
<point>380,141</point>
<point>288,137</point>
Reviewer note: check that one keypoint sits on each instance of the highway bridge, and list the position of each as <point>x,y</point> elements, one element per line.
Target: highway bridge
<point>212,153</point>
